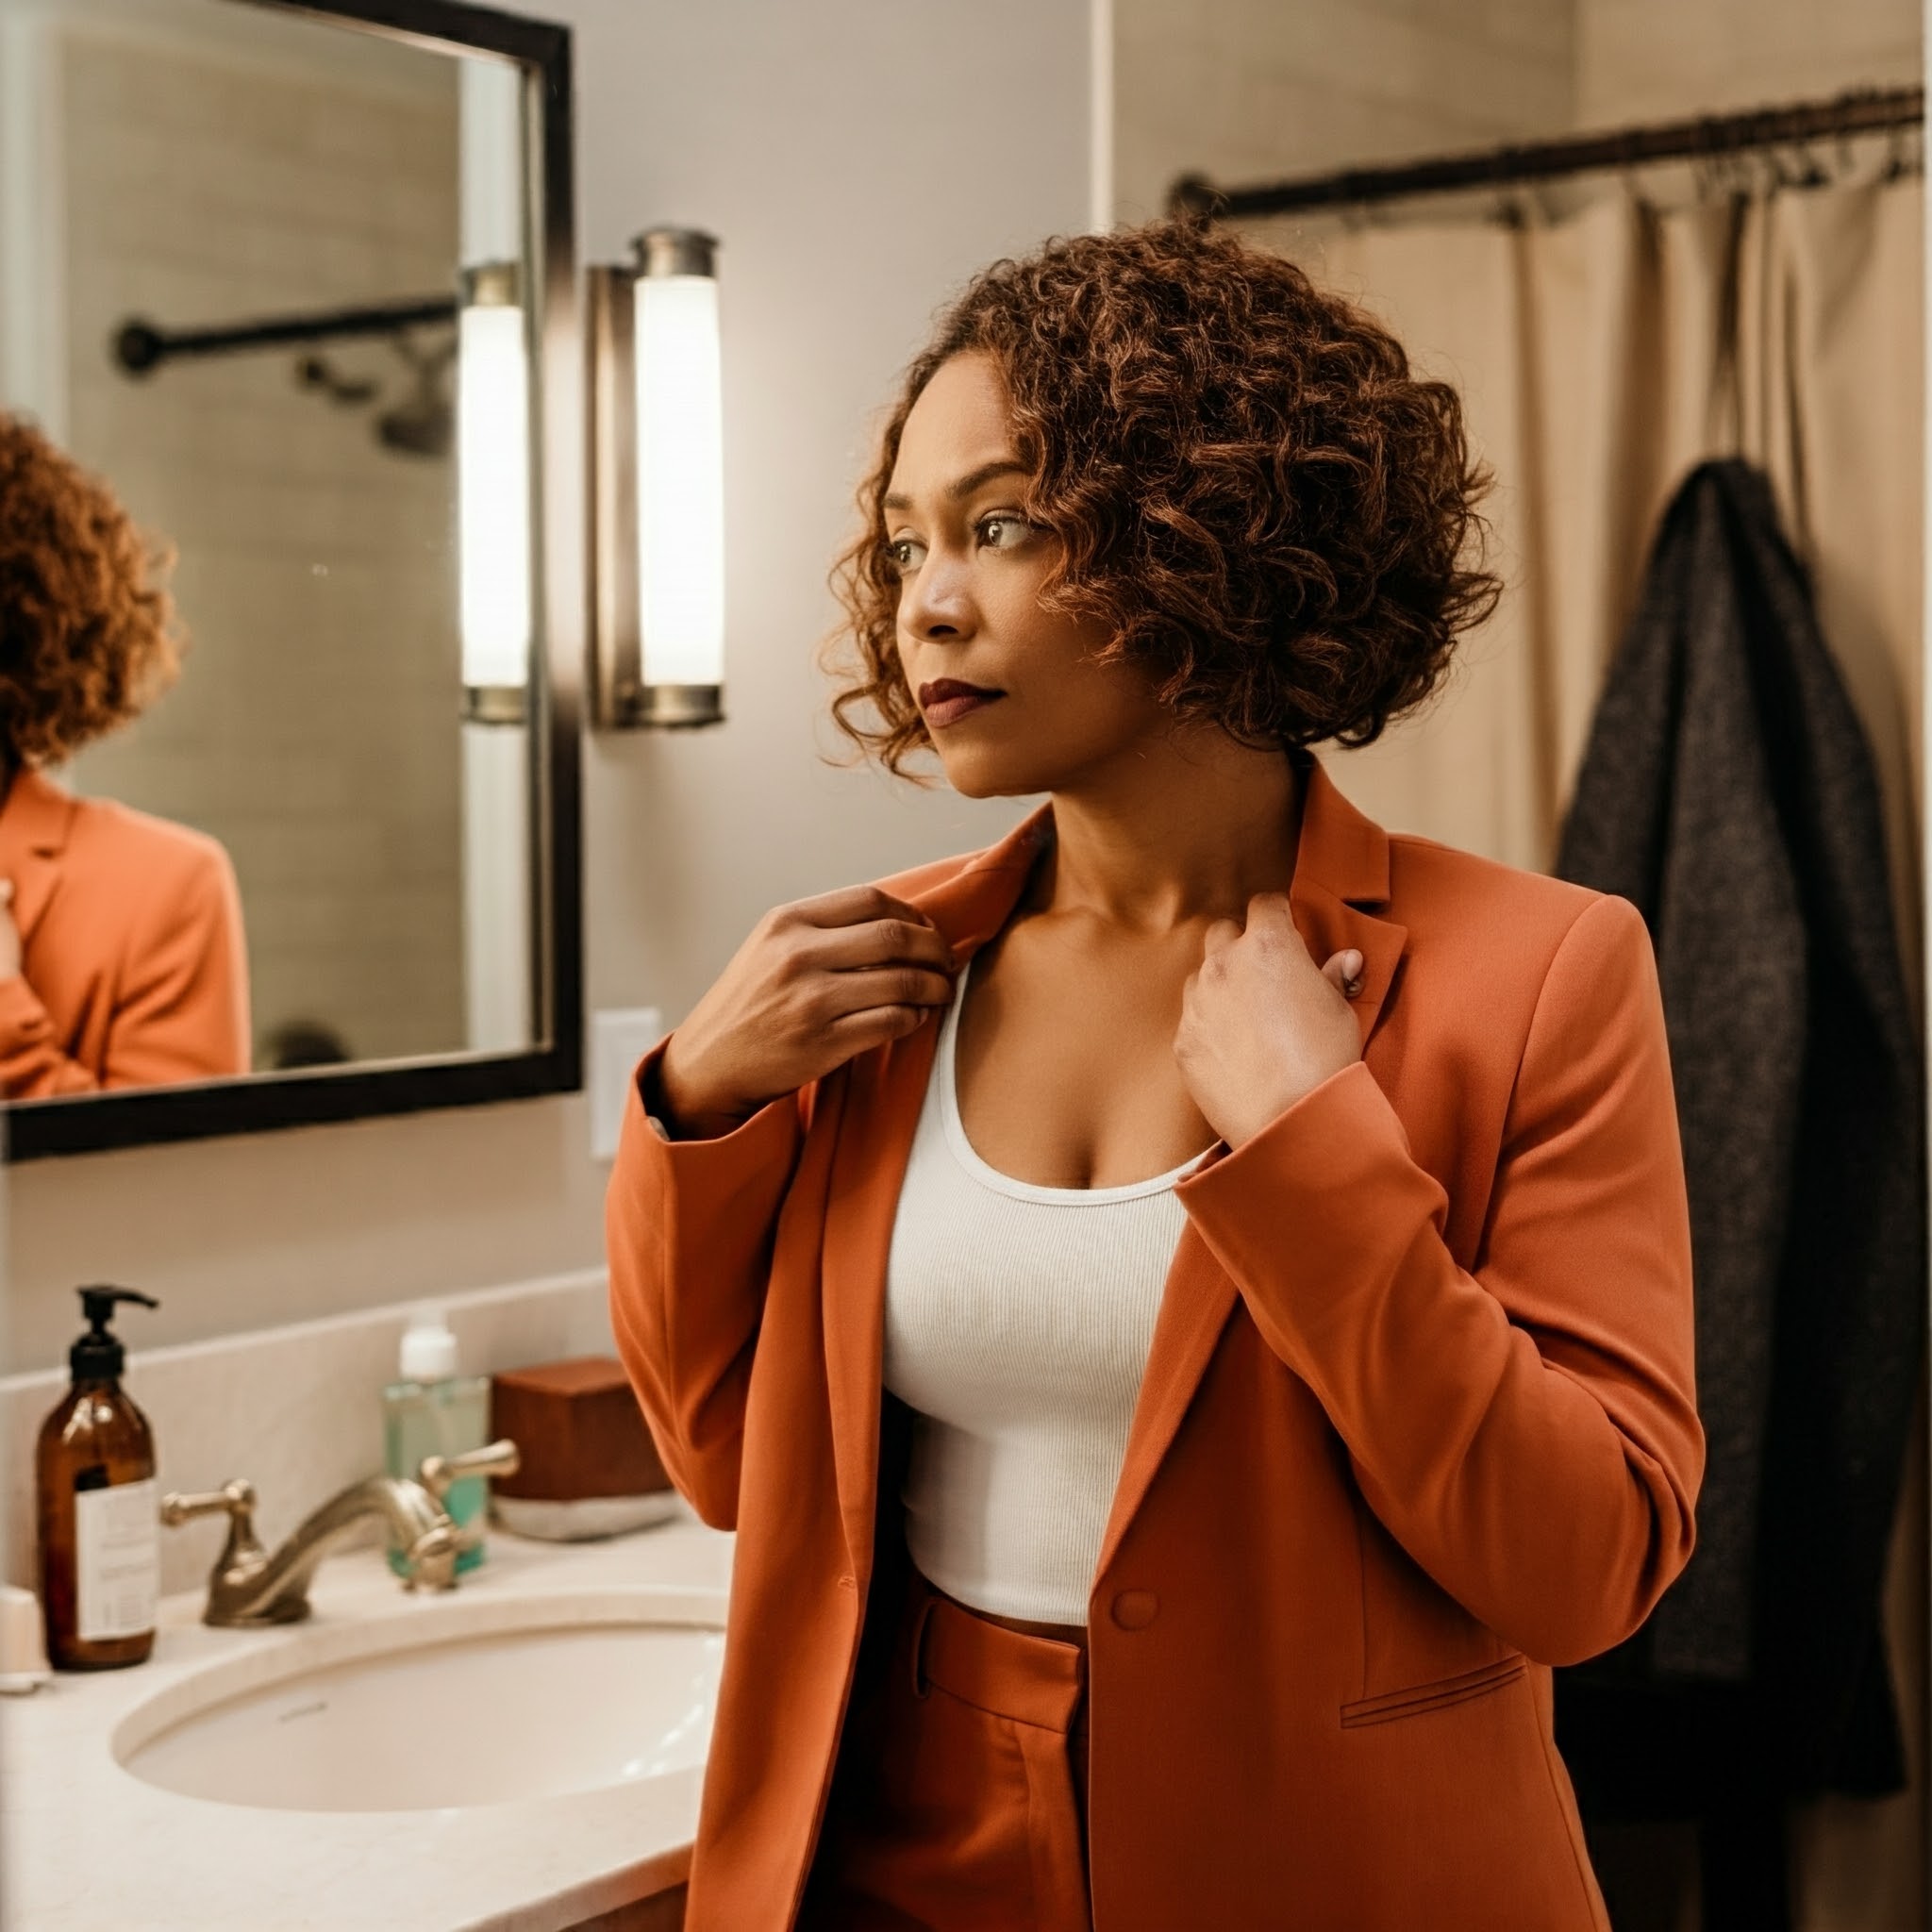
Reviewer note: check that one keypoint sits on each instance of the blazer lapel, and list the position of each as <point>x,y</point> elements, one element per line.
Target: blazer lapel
<point>868,1169</point>
<point>1342,857</point>
<point>1341,864</point>
<point>880,1115</point>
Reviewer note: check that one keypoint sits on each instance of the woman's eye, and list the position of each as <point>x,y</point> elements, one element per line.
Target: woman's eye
<point>897,553</point>
<point>1013,530</point>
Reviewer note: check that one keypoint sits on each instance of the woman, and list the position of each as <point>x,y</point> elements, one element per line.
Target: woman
<point>122,962</point>
<point>1188,1309</point>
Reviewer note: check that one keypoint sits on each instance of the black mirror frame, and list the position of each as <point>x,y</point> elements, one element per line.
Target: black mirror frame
<point>133,1117</point>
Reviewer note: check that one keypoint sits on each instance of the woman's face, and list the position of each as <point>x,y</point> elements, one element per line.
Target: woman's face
<point>970,570</point>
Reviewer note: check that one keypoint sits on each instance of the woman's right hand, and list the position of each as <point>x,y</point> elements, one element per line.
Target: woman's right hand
<point>817,981</point>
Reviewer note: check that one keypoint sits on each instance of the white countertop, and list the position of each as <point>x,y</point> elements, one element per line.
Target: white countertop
<point>85,1846</point>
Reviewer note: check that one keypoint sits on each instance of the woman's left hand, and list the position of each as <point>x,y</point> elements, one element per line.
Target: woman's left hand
<point>1261,1023</point>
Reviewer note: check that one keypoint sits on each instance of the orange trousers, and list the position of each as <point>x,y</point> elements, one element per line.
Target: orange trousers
<point>970,1813</point>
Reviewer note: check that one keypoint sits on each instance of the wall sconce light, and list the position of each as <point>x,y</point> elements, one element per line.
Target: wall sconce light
<point>656,485</point>
<point>493,493</point>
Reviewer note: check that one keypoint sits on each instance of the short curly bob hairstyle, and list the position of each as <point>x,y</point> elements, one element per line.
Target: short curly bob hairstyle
<point>86,628</point>
<point>1263,505</point>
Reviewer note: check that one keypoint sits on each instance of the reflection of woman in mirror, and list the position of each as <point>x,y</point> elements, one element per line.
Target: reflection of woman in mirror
<point>1181,1535</point>
<point>122,962</point>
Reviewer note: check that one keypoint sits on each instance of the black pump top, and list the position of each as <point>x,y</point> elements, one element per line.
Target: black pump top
<point>98,1356</point>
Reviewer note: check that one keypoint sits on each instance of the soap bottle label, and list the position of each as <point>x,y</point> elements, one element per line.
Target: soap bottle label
<point>117,1560</point>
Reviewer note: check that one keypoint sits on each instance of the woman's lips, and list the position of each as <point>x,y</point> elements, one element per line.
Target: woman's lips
<point>946,710</point>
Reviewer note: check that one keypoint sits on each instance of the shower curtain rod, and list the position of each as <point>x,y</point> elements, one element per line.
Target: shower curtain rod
<point>141,346</point>
<point>1864,110</point>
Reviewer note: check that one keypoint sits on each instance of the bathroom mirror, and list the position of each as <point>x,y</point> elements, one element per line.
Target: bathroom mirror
<point>286,302</point>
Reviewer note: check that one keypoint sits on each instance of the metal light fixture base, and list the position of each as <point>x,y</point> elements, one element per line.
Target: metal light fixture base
<point>496,704</point>
<point>675,704</point>
<point>668,250</point>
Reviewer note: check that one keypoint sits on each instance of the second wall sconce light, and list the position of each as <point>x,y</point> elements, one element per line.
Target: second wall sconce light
<point>656,485</point>
<point>493,493</point>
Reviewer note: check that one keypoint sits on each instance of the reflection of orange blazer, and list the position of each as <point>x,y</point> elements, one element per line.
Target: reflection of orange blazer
<point>133,971</point>
<point>1417,1422</point>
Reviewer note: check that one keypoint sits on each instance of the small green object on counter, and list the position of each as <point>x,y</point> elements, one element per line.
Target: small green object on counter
<point>432,1410</point>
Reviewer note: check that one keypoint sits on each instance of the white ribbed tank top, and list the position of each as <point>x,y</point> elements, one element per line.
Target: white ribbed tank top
<point>1017,1324</point>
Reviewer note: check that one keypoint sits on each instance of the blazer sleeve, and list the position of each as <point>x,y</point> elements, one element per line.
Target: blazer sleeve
<point>1528,1432</point>
<point>32,1065</point>
<point>180,1006</point>
<point>690,1227</point>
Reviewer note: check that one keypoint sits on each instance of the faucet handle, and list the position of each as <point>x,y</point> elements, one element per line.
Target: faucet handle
<point>438,1472</point>
<point>233,1499</point>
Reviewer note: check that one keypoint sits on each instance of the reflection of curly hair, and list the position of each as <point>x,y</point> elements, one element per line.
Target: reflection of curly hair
<point>1263,506</point>
<point>85,639</point>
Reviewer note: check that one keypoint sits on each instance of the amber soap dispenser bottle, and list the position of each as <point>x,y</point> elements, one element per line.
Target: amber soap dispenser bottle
<point>99,1521</point>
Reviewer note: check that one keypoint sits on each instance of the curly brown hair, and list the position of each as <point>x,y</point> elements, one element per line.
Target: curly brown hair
<point>87,635</point>
<point>1263,506</point>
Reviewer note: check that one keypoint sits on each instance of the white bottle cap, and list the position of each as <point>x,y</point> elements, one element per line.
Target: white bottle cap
<point>23,1648</point>
<point>429,1350</point>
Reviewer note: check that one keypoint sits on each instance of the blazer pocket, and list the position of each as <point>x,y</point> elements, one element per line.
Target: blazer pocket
<point>1433,1695</point>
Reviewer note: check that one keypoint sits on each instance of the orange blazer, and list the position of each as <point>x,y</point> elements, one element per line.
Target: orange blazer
<point>1417,1422</point>
<point>133,969</point>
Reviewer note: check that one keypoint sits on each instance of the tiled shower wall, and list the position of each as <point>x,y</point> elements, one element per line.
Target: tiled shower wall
<point>313,731</point>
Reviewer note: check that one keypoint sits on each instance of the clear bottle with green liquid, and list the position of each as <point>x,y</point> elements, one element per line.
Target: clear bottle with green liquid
<point>432,1410</point>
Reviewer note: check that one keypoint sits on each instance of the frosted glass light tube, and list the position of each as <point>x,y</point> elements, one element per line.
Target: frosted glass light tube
<point>680,481</point>
<point>493,484</point>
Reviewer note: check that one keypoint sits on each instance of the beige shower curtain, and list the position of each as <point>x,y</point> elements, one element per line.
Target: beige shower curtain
<point>1600,356</point>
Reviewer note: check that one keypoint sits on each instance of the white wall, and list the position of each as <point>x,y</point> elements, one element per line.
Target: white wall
<point>860,159</point>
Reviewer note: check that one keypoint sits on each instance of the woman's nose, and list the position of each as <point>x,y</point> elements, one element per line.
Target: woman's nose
<point>941,602</point>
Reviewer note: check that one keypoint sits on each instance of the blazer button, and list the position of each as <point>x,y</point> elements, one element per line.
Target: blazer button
<point>1133,1609</point>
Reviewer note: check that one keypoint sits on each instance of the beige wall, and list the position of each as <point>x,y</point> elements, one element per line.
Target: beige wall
<point>1249,90</point>
<point>1253,90</point>
<point>1658,59</point>
<point>314,730</point>
<point>803,137</point>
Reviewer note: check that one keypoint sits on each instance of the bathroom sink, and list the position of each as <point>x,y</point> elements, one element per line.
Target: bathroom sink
<point>452,1704</point>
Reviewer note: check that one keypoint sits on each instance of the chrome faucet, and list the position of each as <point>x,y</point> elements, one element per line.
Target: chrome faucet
<point>251,1586</point>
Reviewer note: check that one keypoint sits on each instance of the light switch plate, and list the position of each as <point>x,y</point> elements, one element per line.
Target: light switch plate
<point>620,1038</point>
